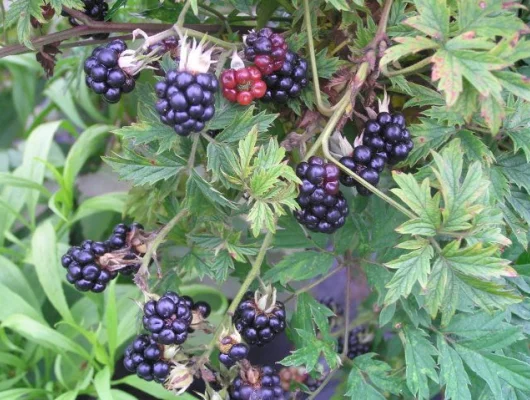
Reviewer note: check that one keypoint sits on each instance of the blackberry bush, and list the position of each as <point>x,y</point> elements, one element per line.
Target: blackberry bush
<point>288,81</point>
<point>266,49</point>
<point>257,383</point>
<point>145,357</point>
<point>259,317</point>
<point>104,73</point>
<point>187,94</point>
<point>322,206</point>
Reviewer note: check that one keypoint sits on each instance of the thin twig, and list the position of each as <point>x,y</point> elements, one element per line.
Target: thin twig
<point>408,70</point>
<point>314,284</point>
<point>346,311</point>
<point>322,385</point>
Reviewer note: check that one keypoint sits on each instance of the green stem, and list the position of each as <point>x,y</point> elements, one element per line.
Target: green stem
<point>346,314</point>
<point>217,14</point>
<point>254,272</point>
<point>191,160</point>
<point>182,15</point>
<point>408,70</point>
<point>322,385</point>
<point>322,108</point>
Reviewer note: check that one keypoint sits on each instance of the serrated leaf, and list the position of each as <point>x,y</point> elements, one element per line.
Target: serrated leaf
<point>474,148</point>
<point>411,268</point>
<point>340,5</point>
<point>300,266</point>
<point>442,292</point>
<point>243,123</point>
<point>433,18</point>
<point>198,185</point>
<point>452,372</point>
<point>520,201</point>
<point>326,65</point>
<point>406,46</point>
<point>308,356</point>
<point>370,379</point>
<point>419,353</point>
<point>515,168</point>
<point>448,71</point>
<point>492,110</point>
<point>144,132</point>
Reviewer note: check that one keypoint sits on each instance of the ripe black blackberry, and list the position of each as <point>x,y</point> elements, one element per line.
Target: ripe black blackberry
<point>259,317</point>
<point>236,352</point>
<point>146,357</point>
<point>96,10</point>
<point>388,135</point>
<point>366,163</point>
<point>359,342</point>
<point>323,208</point>
<point>92,265</point>
<point>261,383</point>
<point>288,82</point>
<point>187,95</point>
<point>169,318</point>
<point>104,74</point>
<point>266,49</point>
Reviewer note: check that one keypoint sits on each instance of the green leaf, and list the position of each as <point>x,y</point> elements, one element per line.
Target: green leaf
<point>309,355</point>
<point>327,66</point>
<point>520,201</point>
<point>147,169</point>
<point>14,279</point>
<point>493,112</point>
<point>264,11</point>
<point>197,185</point>
<point>406,46</point>
<point>419,353</point>
<point>154,389</point>
<point>243,123</point>
<point>474,148</point>
<point>146,132</point>
<point>411,268</point>
<point>300,266</point>
<point>43,335</point>
<point>515,168</point>
<point>340,5</point>
<point>14,303</point>
<point>106,202</point>
<point>452,372</point>
<point>102,384</point>
<point>433,18</point>
<point>111,319</point>
<point>49,271</point>
<point>370,379</point>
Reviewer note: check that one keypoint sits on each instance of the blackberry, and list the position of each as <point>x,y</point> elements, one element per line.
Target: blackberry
<point>168,318</point>
<point>146,357</point>
<point>231,353</point>
<point>93,264</point>
<point>330,303</point>
<point>388,135</point>
<point>266,49</point>
<point>288,82</point>
<point>96,10</point>
<point>243,85</point>
<point>323,207</point>
<point>259,323</point>
<point>366,163</point>
<point>257,383</point>
<point>359,342</point>
<point>104,74</point>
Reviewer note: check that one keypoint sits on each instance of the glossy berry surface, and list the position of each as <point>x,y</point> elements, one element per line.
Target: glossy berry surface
<point>242,85</point>
<point>145,357</point>
<point>103,73</point>
<point>364,162</point>
<point>266,49</point>
<point>266,386</point>
<point>96,10</point>
<point>237,352</point>
<point>287,82</point>
<point>186,101</point>
<point>388,133</point>
<point>168,319</point>
<point>322,206</point>
<point>357,344</point>
<point>257,326</point>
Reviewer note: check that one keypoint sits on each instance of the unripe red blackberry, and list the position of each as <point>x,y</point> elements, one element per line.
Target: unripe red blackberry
<point>259,383</point>
<point>266,49</point>
<point>146,357</point>
<point>96,10</point>
<point>323,208</point>
<point>259,317</point>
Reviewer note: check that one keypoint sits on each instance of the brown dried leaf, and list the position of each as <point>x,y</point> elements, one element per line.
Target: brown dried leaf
<point>47,57</point>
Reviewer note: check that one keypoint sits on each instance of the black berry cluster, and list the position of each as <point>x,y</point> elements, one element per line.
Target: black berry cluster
<point>366,163</point>
<point>287,82</point>
<point>263,384</point>
<point>186,101</point>
<point>146,357</point>
<point>103,73</point>
<point>169,318</point>
<point>266,49</point>
<point>388,135</point>
<point>89,265</point>
<point>358,342</point>
<point>96,10</point>
<point>231,353</point>
<point>258,326</point>
<point>323,208</point>
<point>330,303</point>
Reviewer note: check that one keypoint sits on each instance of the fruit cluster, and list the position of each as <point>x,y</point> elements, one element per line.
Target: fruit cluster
<point>96,10</point>
<point>186,100</point>
<point>257,321</point>
<point>104,74</point>
<point>169,318</point>
<point>261,383</point>
<point>287,82</point>
<point>266,49</point>
<point>230,353</point>
<point>322,206</point>
<point>92,265</point>
<point>243,85</point>
<point>365,163</point>
<point>146,357</point>
<point>359,342</point>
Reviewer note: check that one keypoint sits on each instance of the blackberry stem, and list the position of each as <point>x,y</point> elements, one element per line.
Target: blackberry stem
<point>346,342</point>
<point>322,108</point>
<point>322,385</point>
<point>408,70</point>
<point>253,273</point>
<point>182,15</point>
